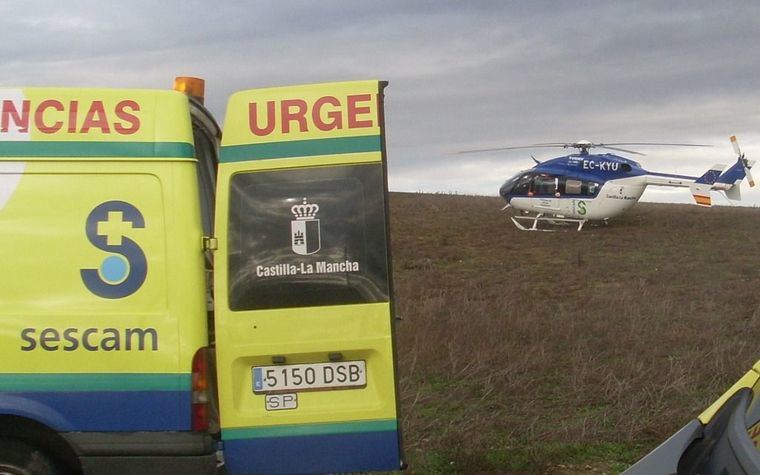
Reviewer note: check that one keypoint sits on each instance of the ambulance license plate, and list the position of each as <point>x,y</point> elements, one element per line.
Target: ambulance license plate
<point>307,377</point>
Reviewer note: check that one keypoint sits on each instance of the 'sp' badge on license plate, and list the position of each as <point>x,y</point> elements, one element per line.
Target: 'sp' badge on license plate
<point>279,402</point>
<point>309,377</point>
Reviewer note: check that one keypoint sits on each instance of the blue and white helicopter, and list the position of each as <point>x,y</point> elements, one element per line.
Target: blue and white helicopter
<point>577,188</point>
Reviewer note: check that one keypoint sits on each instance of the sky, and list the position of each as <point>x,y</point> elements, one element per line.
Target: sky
<point>462,74</point>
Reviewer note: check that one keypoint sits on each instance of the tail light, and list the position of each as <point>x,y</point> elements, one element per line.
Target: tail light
<point>201,391</point>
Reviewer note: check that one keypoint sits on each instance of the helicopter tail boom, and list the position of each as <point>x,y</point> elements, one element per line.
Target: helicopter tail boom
<point>668,179</point>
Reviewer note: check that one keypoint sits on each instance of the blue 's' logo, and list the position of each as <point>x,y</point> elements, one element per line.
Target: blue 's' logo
<point>123,272</point>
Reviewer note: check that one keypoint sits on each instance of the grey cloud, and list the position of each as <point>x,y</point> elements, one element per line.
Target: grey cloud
<point>462,74</point>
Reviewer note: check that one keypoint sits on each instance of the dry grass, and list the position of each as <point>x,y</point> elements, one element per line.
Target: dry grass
<point>565,352</point>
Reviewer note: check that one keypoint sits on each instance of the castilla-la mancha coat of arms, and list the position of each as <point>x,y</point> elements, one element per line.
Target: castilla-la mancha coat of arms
<point>304,230</point>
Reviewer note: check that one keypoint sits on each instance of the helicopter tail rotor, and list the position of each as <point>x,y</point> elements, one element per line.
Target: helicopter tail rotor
<point>730,180</point>
<point>746,163</point>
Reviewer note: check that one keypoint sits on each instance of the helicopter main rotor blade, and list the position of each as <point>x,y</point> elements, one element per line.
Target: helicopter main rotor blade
<point>499,149</point>
<point>584,145</point>
<point>656,144</point>
<point>614,146</point>
<point>618,149</point>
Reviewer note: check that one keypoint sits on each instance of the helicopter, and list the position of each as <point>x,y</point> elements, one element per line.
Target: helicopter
<point>581,187</point>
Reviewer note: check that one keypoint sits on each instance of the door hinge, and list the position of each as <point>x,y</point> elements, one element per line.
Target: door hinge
<point>210,243</point>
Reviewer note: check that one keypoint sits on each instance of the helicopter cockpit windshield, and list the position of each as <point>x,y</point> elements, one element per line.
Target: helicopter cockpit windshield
<point>519,183</point>
<point>545,184</point>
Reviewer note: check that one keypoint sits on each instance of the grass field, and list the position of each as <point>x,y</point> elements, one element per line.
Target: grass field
<point>565,352</point>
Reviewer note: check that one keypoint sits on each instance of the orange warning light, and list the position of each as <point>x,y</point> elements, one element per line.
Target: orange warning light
<point>193,87</point>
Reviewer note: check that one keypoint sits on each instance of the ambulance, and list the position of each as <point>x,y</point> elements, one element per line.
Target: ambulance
<point>175,300</point>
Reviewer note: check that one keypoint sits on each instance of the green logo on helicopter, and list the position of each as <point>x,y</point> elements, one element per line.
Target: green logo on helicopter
<point>581,208</point>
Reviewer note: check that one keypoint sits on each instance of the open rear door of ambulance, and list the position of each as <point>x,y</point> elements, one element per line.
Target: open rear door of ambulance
<point>304,327</point>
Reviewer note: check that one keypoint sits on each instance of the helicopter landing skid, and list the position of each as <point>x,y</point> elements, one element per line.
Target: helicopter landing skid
<point>540,218</point>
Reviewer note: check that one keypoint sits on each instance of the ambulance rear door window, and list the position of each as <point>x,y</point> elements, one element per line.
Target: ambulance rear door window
<point>307,237</point>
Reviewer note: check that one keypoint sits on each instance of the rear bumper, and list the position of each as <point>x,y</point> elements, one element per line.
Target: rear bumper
<point>144,453</point>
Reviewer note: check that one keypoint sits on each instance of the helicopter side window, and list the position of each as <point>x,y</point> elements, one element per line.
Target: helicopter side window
<point>589,188</point>
<point>573,187</point>
<point>544,185</point>
<point>625,167</point>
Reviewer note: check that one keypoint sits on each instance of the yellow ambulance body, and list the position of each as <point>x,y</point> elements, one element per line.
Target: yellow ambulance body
<point>112,359</point>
